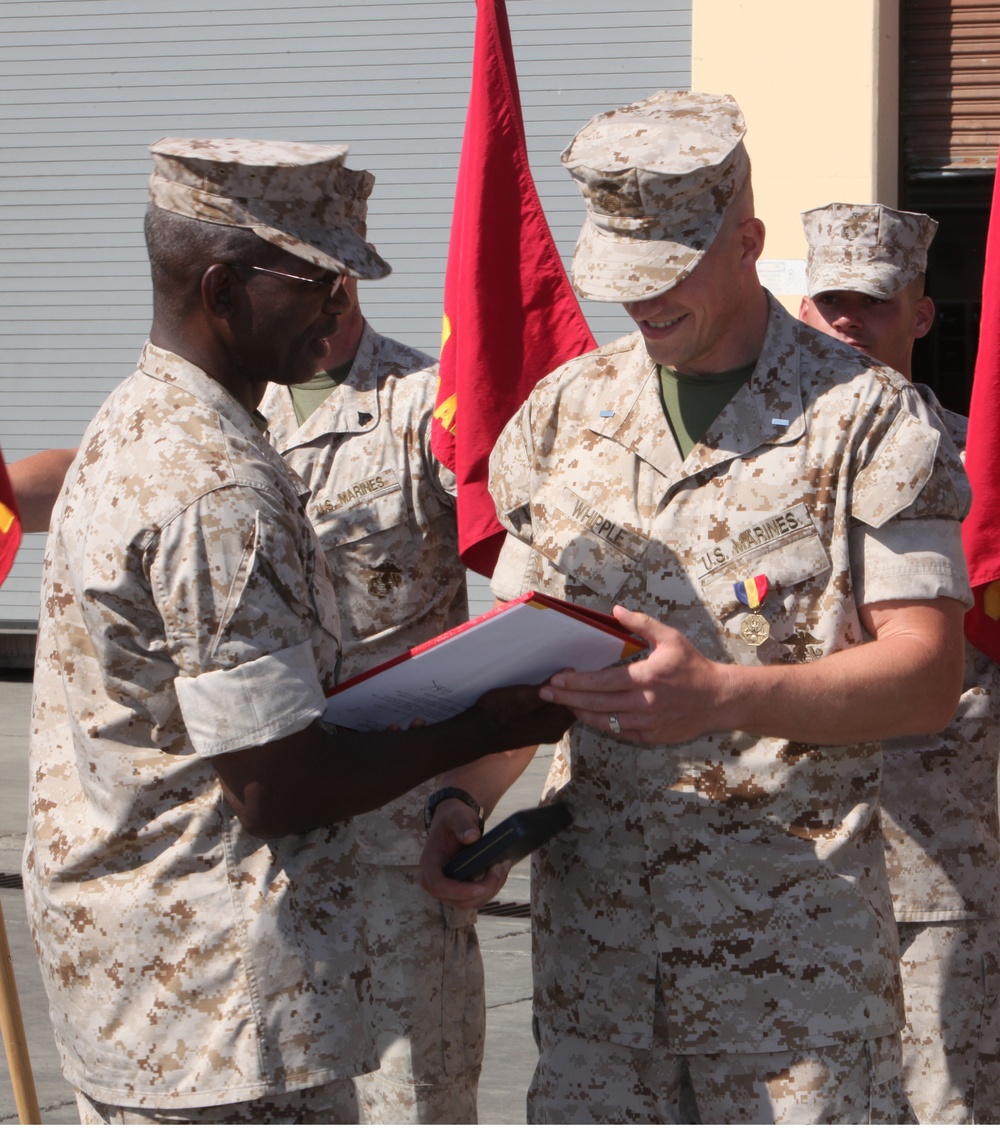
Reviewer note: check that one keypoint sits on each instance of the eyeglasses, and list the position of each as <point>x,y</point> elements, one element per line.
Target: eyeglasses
<point>315,282</point>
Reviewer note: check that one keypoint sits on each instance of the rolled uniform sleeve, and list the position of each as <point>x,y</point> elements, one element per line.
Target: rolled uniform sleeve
<point>262,700</point>
<point>248,616</point>
<point>907,505</point>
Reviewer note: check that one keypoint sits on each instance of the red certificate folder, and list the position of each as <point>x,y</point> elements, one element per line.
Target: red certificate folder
<point>520,642</point>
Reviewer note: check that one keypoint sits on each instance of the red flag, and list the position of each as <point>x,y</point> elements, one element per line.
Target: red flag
<point>510,314</point>
<point>10,522</point>
<point>981,530</point>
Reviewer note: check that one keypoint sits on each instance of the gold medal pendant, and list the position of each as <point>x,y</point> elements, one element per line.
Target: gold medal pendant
<point>752,592</point>
<point>755,629</point>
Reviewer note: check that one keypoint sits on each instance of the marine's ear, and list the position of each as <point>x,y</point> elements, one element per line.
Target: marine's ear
<point>217,289</point>
<point>923,317</point>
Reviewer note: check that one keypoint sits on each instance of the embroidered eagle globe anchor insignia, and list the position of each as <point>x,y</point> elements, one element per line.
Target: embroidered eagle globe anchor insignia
<point>384,580</point>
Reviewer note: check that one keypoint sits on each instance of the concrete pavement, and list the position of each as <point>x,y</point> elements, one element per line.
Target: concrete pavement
<point>506,943</point>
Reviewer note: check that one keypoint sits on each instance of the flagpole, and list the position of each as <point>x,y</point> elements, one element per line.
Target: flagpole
<point>14,1042</point>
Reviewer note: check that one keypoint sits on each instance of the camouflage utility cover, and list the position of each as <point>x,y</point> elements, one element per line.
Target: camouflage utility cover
<point>384,509</point>
<point>868,249</point>
<point>299,196</point>
<point>188,612</point>
<point>747,871</point>
<point>656,177</point>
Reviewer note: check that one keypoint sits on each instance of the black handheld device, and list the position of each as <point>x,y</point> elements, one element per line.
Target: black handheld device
<point>513,839</point>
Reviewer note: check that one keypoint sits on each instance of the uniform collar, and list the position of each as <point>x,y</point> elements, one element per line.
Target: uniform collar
<point>168,367</point>
<point>350,409</point>
<point>163,365</point>
<point>765,412</point>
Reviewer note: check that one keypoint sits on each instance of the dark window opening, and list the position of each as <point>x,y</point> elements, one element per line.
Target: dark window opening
<point>946,358</point>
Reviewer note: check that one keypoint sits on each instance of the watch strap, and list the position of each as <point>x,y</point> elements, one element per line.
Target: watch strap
<point>450,793</point>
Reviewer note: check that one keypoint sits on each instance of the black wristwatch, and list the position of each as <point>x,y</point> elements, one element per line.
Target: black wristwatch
<point>435,799</point>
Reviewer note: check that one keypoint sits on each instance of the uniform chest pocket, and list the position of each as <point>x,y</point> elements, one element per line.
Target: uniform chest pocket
<point>797,567</point>
<point>588,547</point>
<point>366,508</point>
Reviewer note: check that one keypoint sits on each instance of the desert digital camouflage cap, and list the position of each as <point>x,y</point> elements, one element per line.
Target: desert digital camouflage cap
<point>868,248</point>
<point>299,196</point>
<point>656,177</point>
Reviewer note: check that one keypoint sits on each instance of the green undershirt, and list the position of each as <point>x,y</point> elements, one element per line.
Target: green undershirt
<point>693,403</point>
<point>310,394</point>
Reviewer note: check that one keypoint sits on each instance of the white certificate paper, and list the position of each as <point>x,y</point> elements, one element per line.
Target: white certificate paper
<point>521,642</point>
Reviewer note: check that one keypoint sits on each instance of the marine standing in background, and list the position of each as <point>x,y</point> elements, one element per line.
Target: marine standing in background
<point>383,507</point>
<point>866,287</point>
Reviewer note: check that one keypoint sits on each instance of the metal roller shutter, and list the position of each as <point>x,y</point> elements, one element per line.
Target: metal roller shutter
<point>85,86</point>
<point>950,98</point>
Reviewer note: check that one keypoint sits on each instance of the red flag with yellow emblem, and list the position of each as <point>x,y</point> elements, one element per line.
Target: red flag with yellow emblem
<point>510,314</point>
<point>10,522</point>
<point>981,530</point>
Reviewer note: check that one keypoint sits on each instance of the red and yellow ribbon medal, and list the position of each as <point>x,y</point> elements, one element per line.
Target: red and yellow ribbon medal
<point>752,592</point>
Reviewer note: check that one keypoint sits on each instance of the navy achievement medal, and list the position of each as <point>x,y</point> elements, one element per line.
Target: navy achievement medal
<point>752,592</point>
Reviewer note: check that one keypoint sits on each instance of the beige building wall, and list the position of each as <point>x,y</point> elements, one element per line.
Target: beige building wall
<point>819,88</point>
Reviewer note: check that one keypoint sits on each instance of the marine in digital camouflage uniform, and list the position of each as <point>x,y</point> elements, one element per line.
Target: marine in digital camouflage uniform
<point>384,510</point>
<point>866,284</point>
<point>190,867</point>
<point>713,936</point>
